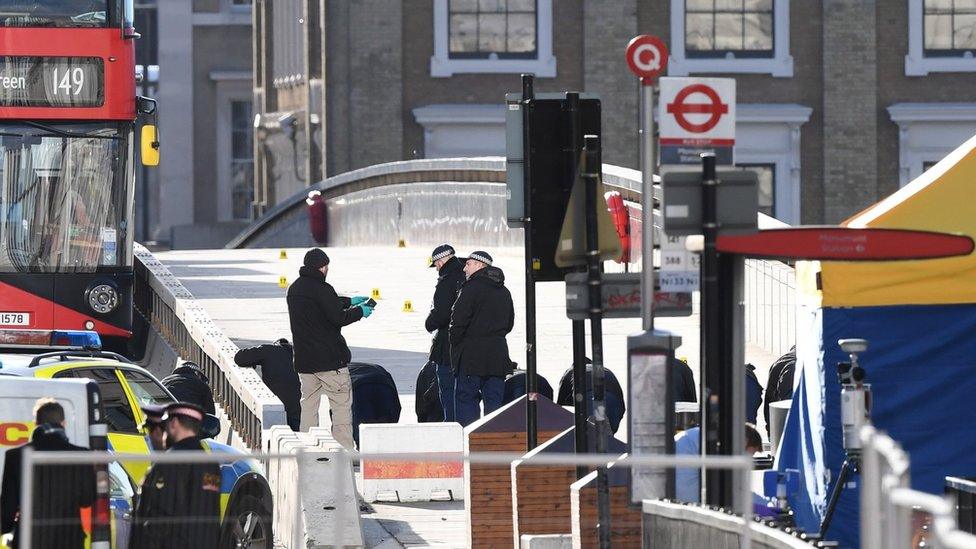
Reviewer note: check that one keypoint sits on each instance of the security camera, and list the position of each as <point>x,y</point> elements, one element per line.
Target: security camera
<point>853,346</point>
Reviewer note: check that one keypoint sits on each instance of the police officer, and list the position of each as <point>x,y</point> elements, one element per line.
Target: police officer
<point>153,425</point>
<point>179,504</point>
<point>481,318</point>
<point>450,277</point>
<point>188,383</point>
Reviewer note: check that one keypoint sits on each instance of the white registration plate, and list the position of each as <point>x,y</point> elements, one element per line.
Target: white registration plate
<point>14,319</point>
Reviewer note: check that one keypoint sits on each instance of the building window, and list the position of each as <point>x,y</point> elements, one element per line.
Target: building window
<point>482,28</point>
<point>492,36</point>
<point>928,132</point>
<point>730,36</point>
<point>941,36</point>
<point>716,28</point>
<point>242,2</point>
<point>767,186</point>
<point>242,159</point>
<point>949,27</point>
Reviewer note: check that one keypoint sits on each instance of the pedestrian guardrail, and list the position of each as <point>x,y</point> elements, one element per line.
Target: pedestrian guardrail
<point>171,310</point>
<point>892,514</point>
<point>963,491</point>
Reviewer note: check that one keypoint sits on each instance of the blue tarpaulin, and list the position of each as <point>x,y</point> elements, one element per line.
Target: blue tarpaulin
<point>921,365</point>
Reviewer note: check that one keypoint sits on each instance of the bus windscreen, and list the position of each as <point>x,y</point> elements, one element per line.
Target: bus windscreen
<point>64,197</point>
<point>53,13</point>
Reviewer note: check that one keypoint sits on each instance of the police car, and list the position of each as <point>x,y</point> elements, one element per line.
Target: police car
<point>245,503</point>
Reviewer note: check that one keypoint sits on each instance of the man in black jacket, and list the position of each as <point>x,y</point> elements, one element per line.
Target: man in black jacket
<point>179,503</point>
<point>60,491</point>
<point>482,316</point>
<point>278,373</point>
<point>450,277</point>
<point>188,383</point>
<point>317,315</point>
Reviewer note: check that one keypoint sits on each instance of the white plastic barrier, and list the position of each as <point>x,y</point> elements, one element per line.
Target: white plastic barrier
<point>327,502</point>
<point>411,480</point>
<point>547,541</point>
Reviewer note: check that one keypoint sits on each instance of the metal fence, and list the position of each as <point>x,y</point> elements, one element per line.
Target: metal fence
<point>241,514</point>
<point>666,524</point>
<point>963,492</point>
<point>171,310</point>
<point>892,514</point>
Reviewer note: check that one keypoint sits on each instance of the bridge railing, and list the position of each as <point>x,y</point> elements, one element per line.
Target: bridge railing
<point>183,323</point>
<point>889,507</point>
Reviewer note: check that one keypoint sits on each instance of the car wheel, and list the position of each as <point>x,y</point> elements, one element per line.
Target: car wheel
<point>248,526</point>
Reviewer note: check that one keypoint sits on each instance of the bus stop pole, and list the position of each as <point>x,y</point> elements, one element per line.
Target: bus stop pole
<point>531,387</point>
<point>647,161</point>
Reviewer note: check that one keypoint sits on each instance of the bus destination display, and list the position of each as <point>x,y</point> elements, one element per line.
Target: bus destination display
<point>52,82</point>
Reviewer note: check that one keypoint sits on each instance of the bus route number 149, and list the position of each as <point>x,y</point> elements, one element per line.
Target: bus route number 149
<point>68,81</point>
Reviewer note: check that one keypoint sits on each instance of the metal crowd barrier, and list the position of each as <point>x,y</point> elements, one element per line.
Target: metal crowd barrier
<point>963,491</point>
<point>284,524</point>
<point>892,514</point>
<point>171,310</point>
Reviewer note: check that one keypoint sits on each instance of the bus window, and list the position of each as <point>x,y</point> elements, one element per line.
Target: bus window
<point>53,13</point>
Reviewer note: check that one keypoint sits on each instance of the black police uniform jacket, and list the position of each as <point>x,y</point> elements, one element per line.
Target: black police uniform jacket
<point>179,504</point>
<point>278,373</point>
<point>449,281</point>
<point>60,491</point>
<point>189,385</point>
<point>317,314</point>
<point>482,316</point>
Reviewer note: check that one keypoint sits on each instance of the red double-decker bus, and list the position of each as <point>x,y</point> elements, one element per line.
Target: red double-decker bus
<point>68,108</point>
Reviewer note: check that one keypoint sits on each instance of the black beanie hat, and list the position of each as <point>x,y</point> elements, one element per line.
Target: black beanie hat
<point>316,258</point>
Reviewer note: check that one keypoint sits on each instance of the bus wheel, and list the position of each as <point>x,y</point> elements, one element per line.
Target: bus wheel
<point>248,526</point>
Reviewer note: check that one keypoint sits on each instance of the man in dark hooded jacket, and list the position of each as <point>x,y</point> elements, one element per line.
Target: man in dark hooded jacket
<point>317,314</point>
<point>450,277</point>
<point>188,383</point>
<point>278,373</point>
<point>482,316</point>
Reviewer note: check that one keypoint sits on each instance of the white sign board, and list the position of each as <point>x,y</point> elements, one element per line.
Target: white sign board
<point>680,269</point>
<point>696,115</point>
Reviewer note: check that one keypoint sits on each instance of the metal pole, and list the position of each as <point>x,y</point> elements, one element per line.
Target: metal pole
<point>26,520</point>
<point>647,201</point>
<point>579,328</point>
<point>591,174</point>
<point>710,328</point>
<point>531,387</point>
<point>579,392</point>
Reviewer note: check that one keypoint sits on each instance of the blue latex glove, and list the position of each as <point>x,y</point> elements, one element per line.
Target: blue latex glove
<point>367,310</point>
<point>357,300</point>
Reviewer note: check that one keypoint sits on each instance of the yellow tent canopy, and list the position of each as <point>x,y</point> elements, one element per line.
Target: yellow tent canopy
<point>941,199</point>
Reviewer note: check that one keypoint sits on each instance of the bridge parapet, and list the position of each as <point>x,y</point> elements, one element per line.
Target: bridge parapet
<point>171,310</point>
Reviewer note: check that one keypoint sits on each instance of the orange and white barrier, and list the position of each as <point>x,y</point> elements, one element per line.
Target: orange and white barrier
<point>414,480</point>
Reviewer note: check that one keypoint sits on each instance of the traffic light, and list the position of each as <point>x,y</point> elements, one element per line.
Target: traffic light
<point>553,153</point>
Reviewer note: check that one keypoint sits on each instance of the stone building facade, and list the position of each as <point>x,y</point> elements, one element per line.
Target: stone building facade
<point>200,195</point>
<point>838,103</point>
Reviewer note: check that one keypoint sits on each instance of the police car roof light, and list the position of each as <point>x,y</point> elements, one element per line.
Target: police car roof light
<point>76,339</point>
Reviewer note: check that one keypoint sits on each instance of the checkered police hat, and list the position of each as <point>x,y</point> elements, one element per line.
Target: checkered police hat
<point>440,252</point>
<point>482,257</point>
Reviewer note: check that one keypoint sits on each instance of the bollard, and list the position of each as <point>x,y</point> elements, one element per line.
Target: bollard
<point>282,254</point>
<point>282,281</point>
<point>407,306</point>
<point>375,294</point>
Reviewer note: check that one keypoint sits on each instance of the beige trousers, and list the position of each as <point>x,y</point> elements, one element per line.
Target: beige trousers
<point>338,387</point>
